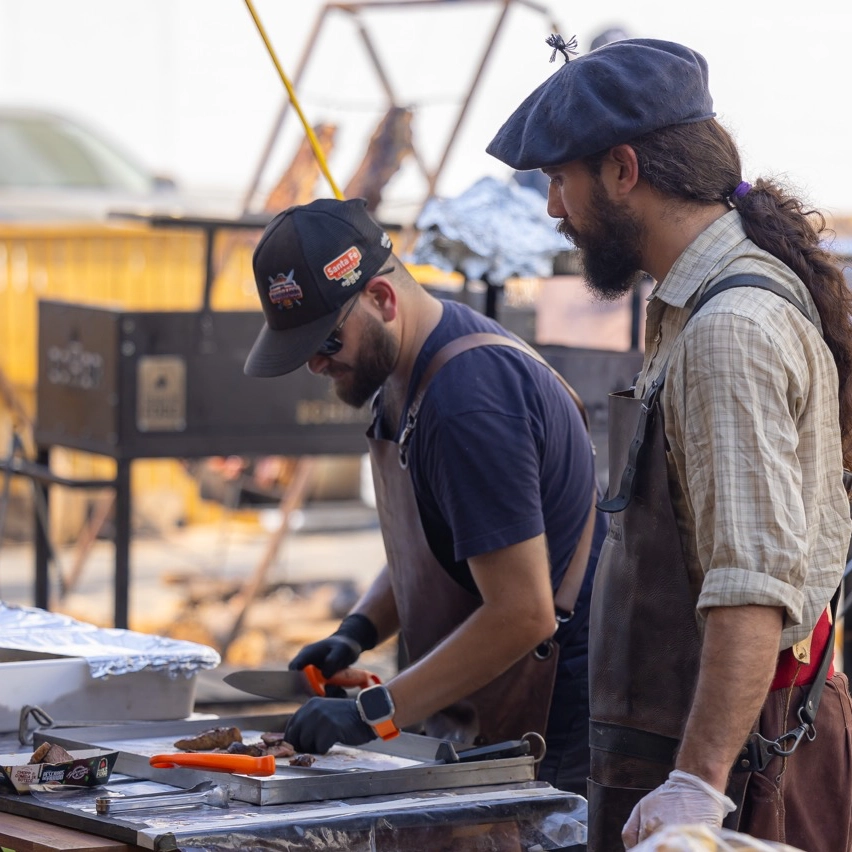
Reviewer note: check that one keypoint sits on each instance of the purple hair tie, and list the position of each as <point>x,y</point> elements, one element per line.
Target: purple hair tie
<point>742,188</point>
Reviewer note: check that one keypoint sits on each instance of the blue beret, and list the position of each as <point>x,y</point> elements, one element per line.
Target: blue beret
<point>604,98</point>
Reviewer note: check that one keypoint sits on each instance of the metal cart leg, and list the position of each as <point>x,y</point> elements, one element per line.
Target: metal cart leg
<point>41,495</point>
<point>122,543</point>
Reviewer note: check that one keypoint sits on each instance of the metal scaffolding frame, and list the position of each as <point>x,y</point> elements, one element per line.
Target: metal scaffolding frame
<point>353,11</point>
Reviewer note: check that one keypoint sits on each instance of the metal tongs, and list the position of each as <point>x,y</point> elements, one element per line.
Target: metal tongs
<point>205,793</point>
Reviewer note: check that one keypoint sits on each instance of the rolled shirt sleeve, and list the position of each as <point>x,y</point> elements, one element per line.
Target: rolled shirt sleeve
<point>753,444</point>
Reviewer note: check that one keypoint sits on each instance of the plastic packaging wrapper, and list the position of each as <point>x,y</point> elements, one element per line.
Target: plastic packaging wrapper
<point>108,651</point>
<point>490,825</point>
<point>493,230</point>
<point>533,816</point>
<point>703,838</point>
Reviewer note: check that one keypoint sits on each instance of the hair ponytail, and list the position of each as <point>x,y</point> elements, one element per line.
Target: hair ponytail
<point>699,163</point>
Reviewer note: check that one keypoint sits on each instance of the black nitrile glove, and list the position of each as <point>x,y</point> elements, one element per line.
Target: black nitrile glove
<point>340,650</point>
<point>322,722</point>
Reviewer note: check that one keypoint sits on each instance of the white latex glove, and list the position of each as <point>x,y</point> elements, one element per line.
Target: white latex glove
<point>682,800</point>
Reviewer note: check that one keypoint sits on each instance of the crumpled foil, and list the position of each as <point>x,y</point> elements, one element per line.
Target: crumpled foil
<point>492,231</point>
<point>108,651</point>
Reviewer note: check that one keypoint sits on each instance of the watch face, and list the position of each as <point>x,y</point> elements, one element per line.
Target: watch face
<point>375,702</point>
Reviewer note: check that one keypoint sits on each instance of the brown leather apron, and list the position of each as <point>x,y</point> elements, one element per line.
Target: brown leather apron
<point>431,605</point>
<point>644,658</point>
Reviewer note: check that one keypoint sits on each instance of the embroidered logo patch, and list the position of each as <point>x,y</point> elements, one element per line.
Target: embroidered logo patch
<point>284,291</point>
<point>345,267</point>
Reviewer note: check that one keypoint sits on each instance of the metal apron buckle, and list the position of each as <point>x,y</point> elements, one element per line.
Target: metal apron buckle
<point>758,751</point>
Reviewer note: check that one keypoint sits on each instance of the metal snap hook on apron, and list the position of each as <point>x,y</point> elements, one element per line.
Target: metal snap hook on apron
<point>405,437</point>
<point>534,735</point>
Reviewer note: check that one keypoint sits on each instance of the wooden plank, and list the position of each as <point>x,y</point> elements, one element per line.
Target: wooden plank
<point>20,834</point>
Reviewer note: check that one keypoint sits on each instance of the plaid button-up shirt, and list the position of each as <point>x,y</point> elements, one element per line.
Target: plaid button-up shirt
<point>751,418</point>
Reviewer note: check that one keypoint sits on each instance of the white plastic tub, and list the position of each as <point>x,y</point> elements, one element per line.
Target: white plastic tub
<point>64,688</point>
<point>77,672</point>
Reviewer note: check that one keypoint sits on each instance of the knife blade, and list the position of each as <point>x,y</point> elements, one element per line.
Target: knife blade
<point>297,686</point>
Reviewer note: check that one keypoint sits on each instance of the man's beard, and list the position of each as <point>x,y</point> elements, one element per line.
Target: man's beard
<point>378,355</point>
<point>610,246</point>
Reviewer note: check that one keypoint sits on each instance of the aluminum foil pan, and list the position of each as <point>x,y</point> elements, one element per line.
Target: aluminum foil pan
<point>108,651</point>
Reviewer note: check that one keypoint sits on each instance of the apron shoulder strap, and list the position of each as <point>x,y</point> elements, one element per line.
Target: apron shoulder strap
<point>474,341</point>
<point>569,588</point>
<point>463,344</point>
<point>620,501</point>
<point>760,282</point>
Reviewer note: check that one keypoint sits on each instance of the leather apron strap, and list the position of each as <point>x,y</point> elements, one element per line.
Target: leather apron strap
<point>464,344</point>
<point>566,595</point>
<point>572,580</point>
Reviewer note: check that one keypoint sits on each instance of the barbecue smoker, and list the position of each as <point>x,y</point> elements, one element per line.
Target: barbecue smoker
<point>149,384</point>
<point>140,384</point>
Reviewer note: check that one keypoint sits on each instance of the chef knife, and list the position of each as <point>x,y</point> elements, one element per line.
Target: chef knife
<point>297,686</point>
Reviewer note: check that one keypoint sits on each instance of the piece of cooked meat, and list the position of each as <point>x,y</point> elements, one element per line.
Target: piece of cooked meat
<point>39,753</point>
<point>303,760</point>
<point>272,738</point>
<point>281,749</point>
<point>57,754</point>
<point>50,753</point>
<point>253,749</point>
<point>210,739</point>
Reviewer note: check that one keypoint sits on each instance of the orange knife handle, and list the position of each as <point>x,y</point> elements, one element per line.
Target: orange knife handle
<point>355,677</point>
<point>315,679</point>
<point>359,678</point>
<point>245,764</point>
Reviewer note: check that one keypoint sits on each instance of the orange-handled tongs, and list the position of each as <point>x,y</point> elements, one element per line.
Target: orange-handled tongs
<point>244,764</point>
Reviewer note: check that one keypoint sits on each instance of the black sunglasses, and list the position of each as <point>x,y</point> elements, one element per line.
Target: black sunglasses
<point>333,344</point>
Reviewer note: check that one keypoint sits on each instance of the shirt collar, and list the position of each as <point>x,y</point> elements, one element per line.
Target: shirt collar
<point>699,260</point>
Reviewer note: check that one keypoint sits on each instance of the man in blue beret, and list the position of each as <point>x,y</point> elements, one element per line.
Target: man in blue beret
<point>712,689</point>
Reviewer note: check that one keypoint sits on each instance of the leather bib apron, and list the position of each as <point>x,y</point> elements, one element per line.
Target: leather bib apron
<point>644,658</point>
<point>431,605</point>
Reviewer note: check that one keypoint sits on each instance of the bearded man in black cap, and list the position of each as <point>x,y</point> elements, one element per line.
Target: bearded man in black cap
<point>485,484</point>
<point>710,636</point>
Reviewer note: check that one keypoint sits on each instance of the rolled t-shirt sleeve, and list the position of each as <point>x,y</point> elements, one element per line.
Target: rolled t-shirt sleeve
<point>731,420</point>
<point>482,468</point>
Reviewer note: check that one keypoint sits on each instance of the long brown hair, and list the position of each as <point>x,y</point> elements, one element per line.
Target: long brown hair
<point>700,163</point>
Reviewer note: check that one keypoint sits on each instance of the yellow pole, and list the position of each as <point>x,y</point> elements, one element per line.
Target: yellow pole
<point>293,100</point>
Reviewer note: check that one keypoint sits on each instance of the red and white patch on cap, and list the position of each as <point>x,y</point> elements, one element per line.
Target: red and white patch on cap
<point>344,267</point>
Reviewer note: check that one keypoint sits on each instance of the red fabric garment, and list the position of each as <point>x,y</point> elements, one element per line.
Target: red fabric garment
<point>790,672</point>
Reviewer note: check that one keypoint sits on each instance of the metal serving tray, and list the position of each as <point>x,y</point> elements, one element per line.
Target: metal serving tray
<point>404,764</point>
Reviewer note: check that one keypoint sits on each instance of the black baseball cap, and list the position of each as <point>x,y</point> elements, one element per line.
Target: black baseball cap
<point>311,260</point>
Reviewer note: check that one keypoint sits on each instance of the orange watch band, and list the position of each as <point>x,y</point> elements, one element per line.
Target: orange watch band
<point>386,730</point>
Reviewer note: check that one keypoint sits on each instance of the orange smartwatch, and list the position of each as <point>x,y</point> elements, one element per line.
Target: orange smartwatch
<point>375,707</point>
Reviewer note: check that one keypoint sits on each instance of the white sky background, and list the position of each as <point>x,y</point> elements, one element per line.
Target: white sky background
<point>187,85</point>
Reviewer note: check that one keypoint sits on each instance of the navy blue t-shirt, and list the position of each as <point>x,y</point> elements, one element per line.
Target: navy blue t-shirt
<point>500,454</point>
